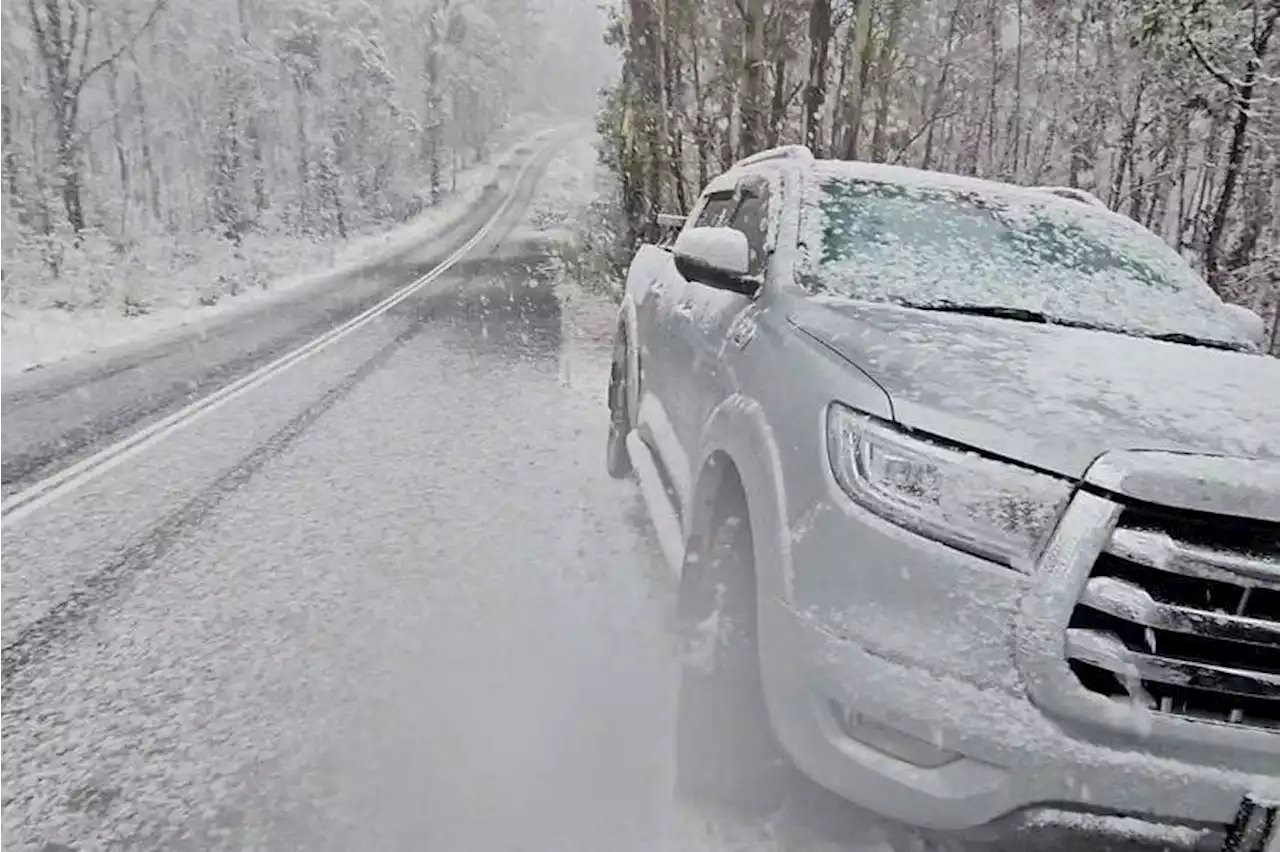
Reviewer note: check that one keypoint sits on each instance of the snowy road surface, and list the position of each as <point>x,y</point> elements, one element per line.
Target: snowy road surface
<point>388,600</point>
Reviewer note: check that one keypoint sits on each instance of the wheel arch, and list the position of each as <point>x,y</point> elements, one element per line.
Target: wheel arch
<point>738,450</point>
<point>628,324</point>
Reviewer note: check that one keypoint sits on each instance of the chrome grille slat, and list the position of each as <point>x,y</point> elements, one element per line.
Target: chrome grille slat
<point>1181,612</point>
<point>1157,549</point>
<point>1108,652</point>
<point>1131,602</point>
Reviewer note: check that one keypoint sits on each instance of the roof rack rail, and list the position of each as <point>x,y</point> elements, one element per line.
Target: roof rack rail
<point>1074,193</point>
<point>798,152</point>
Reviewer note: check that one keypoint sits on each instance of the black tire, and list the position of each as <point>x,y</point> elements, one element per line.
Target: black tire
<point>727,757</point>
<point>617,459</point>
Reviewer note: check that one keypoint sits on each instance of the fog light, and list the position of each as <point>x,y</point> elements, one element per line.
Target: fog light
<point>888,741</point>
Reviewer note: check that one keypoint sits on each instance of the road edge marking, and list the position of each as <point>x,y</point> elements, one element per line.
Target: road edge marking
<point>21,504</point>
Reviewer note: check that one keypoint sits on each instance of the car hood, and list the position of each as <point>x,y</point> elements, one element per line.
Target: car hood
<point>1049,396</point>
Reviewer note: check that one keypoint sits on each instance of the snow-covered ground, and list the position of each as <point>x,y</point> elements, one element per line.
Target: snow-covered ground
<point>164,286</point>
<point>340,653</point>
<point>560,211</point>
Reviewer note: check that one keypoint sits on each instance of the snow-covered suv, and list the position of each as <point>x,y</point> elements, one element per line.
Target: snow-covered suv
<point>974,492</point>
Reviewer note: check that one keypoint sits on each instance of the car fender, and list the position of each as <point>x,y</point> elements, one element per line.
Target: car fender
<point>739,429</point>
<point>646,267</point>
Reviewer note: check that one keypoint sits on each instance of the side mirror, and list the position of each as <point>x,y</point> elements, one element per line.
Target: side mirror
<point>717,257</point>
<point>1249,322</point>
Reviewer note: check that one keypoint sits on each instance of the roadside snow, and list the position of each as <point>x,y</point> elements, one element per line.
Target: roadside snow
<point>561,212</point>
<point>172,287</point>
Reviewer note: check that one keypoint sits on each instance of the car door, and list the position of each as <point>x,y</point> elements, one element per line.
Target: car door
<point>668,346</point>
<point>714,324</point>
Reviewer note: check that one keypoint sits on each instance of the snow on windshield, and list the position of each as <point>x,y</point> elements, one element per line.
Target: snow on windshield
<point>973,246</point>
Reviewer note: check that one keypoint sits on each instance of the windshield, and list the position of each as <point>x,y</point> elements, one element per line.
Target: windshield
<point>956,248</point>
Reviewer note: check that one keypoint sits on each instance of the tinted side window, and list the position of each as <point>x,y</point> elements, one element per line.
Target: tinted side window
<point>751,219</point>
<point>718,210</point>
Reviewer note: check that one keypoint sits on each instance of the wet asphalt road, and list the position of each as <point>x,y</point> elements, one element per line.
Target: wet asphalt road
<point>387,601</point>
<point>57,414</point>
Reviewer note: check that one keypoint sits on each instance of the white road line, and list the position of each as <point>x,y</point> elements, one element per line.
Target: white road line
<point>44,492</point>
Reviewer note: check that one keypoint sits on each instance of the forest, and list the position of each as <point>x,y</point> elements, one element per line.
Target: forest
<point>139,135</point>
<point>142,135</point>
<point>1164,109</point>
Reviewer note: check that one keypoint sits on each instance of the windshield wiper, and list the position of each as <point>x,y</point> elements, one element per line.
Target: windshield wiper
<point>1027,315</point>
<point>1020,314</point>
<point>999,312</point>
<point>1192,340</point>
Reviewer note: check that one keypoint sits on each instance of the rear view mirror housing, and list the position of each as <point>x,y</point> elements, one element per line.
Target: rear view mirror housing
<point>718,257</point>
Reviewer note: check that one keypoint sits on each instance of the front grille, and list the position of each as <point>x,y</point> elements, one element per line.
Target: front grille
<point>1181,614</point>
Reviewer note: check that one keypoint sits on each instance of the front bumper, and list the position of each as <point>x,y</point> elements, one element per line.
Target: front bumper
<point>930,686</point>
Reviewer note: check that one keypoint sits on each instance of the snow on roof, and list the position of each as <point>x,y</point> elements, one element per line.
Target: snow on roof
<point>921,178</point>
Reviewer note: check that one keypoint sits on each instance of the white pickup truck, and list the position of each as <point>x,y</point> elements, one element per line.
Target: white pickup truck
<point>974,492</point>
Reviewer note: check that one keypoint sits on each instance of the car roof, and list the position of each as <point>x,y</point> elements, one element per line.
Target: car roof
<point>1078,200</point>
<point>908,176</point>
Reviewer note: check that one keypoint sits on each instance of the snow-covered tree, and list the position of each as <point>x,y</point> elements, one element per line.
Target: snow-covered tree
<point>1165,109</point>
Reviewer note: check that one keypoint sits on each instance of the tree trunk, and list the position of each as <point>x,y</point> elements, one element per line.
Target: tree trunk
<point>1237,150</point>
<point>995,19</point>
<point>778,101</point>
<point>9,155</point>
<point>667,75</point>
<point>118,144</point>
<point>304,163</point>
<point>752,132</point>
<point>330,188</point>
<point>1013,151</point>
<point>940,93</point>
<point>68,164</point>
<point>864,49</point>
<point>148,160</point>
<point>815,90</point>
<point>1127,139</point>
<point>700,110</point>
<point>672,89</point>
<point>884,77</point>
<point>226,207</point>
<point>1253,215</point>
<point>435,120</point>
<point>252,131</point>
<point>838,117</point>
<point>644,68</point>
<point>63,37</point>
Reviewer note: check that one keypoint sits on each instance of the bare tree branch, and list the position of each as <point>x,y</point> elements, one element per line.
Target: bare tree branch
<point>88,38</point>
<point>120,51</point>
<point>1198,53</point>
<point>73,25</point>
<point>41,41</point>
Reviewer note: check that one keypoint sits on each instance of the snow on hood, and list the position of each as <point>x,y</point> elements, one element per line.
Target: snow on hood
<point>1050,396</point>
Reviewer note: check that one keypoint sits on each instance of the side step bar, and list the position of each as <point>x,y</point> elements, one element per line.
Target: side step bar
<point>663,515</point>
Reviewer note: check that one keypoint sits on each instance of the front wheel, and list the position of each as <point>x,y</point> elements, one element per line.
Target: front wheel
<point>617,460</point>
<point>726,753</point>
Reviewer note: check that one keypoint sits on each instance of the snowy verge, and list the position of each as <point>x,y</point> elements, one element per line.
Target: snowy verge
<point>208,280</point>
<point>566,212</point>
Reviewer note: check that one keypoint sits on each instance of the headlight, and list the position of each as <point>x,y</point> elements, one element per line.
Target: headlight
<point>989,508</point>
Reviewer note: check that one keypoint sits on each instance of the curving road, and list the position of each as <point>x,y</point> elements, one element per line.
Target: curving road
<point>386,600</point>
